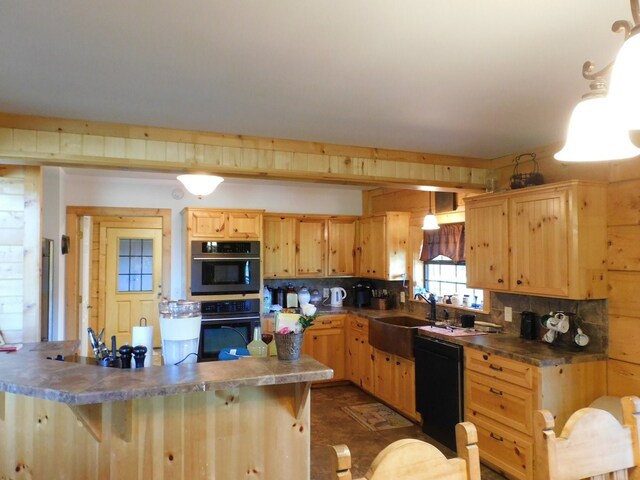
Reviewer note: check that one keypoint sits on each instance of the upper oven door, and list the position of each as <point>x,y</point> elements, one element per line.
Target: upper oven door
<point>224,275</point>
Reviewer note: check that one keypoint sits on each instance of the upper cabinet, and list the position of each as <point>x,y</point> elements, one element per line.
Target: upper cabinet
<point>218,224</point>
<point>308,246</point>
<point>383,246</point>
<point>548,240</point>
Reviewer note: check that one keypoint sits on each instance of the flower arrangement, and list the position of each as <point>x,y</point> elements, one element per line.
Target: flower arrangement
<point>307,317</point>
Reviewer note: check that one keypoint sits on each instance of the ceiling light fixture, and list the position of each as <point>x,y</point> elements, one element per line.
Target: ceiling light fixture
<point>599,125</point>
<point>430,221</point>
<point>200,185</point>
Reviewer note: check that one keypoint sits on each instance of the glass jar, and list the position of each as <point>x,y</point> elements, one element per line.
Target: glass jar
<point>180,331</point>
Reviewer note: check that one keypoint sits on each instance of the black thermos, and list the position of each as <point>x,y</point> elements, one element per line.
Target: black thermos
<point>528,325</point>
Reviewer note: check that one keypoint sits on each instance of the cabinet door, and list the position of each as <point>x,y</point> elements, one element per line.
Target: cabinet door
<point>310,247</point>
<point>373,256</point>
<point>244,225</point>
<point>539,228</point>
<point>328,348</point>
<point>487,244</point>
<point>209,224</point>
<point>341,239</point>
<point>406,386</point>
<point>279,246</point>
<point>385,383</point>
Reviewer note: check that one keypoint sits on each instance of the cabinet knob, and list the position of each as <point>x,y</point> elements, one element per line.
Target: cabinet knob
<point>500,280</point>
<point>519,282</point>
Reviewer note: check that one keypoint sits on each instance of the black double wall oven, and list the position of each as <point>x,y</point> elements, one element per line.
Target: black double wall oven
<point>223,274</point>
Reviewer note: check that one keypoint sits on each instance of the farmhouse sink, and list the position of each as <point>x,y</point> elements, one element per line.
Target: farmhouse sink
<point>395,334</point>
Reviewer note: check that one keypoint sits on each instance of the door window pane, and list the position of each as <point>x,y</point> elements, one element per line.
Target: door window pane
<point>135,265</point>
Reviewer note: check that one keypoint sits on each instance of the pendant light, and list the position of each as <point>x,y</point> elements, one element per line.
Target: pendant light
<point>600,123</point>
<point>430,221</point>
<point>200,185</point>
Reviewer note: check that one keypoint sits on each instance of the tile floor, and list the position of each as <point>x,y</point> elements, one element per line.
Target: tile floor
<point>330,425</point>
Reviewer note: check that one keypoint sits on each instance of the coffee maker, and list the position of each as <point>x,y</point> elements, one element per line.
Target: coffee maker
<point>362,294</point>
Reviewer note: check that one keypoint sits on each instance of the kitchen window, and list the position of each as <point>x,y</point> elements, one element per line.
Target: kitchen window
<point>445,272</point>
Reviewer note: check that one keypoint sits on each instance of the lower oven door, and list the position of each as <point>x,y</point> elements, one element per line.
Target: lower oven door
<point>216,334</point>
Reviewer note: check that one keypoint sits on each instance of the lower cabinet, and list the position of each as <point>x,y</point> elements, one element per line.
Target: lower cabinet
<point>325,341</point>
<point>359,353</point>
<point>501,396</point>
<point>394,381</point>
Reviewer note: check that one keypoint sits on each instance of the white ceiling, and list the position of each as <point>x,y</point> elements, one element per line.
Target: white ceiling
<point>462,77</point>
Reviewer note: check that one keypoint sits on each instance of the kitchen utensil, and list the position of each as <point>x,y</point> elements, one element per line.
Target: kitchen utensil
<point>362,294</point>
<point>139,354</point>
<point>304,296</point>
<point>94,342</point>
<point>125,352</point>
<point>337,295</point>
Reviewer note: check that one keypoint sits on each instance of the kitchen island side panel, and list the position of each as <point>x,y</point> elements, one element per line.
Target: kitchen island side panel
<point>248,432</point>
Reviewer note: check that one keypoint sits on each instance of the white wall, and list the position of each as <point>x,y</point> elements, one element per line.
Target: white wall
<point>154,190</point>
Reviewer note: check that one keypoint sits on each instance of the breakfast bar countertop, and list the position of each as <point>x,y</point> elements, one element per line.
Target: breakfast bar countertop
<point>29,372</point>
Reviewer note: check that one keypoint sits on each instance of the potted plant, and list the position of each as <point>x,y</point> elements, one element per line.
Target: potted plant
<point>289,336</point>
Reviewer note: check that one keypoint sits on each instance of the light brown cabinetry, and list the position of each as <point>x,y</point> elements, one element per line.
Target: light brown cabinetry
<point>279,246</point>
<point>359,353</point>
<point>325,341</point>
<point>308,246</point>
<point>502,394</point>
<point>394,381</point>
<point>548,240</point>
<point>216,224</point>
<point>383,246</point>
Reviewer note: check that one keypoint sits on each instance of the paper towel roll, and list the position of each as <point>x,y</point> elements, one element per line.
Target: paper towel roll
<point>144,336</point>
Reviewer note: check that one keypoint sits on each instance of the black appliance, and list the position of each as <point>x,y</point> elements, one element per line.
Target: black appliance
<point>225,267</point>
<point>439,388</point>
<point>528,325</point>
<point>226,324</point>
<point>362,293</point>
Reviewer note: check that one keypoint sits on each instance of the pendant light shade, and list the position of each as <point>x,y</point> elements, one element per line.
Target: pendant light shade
<point>430,221</point>
<point>625,83</point>
<point>596,133</point>
<point>200,185</point>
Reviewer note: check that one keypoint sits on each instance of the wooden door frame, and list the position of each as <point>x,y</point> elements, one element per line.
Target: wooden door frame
<point>72,275</point>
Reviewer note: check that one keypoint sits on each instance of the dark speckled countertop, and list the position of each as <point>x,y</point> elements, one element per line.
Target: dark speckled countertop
<point>28,372</point>
<point>511,346</point>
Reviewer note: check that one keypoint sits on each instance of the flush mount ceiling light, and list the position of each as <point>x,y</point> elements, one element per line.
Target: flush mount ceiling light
<point>430,221</point>
<point>200,185</point>
<point>599,125</point>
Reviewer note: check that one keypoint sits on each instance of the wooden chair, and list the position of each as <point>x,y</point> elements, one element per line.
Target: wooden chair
<point>593,444</point>
<point>411,459</point>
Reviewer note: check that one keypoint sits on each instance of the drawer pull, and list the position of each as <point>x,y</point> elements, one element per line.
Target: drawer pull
<point>495,391</point>
<point>359,325</point>
<point>496,437</point>
<point>493,366</point>
<point>326,322</point>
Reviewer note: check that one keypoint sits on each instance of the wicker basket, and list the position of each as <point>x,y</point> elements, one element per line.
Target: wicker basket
<point>521,180</point>
<point>288,345</point>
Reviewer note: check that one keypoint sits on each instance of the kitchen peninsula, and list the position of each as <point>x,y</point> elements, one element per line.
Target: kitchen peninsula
<point>248,418</point>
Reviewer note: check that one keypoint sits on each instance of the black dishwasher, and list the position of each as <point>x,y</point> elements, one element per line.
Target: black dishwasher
<point>439,388</point>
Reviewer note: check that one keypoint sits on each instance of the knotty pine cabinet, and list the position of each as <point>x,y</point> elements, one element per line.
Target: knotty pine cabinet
<point>383,246</point>
<point>394,381</point>
<point>279,246</point>
<point>308,246</point>
<point>206,223</point>
<point>502,394</point>
<point>325,341</point>
<point>548,240</point>
<point>359,360</point>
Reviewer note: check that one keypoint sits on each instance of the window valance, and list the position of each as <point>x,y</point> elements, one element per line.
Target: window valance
<point>448,240</point>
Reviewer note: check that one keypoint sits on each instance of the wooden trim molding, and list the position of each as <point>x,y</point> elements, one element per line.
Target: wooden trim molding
<point>59,142</point>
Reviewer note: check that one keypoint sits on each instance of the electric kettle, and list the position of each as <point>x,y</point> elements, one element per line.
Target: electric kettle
<point>337,295</point>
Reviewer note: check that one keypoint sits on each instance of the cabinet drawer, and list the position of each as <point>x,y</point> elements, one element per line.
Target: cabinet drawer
<point>500,401</point>
<point>328,321</point>
<point>500,367</point>
<point>359,324</point>
<point>511,453</point>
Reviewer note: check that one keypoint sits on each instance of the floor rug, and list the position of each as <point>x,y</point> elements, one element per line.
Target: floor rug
<point>375,416</point>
